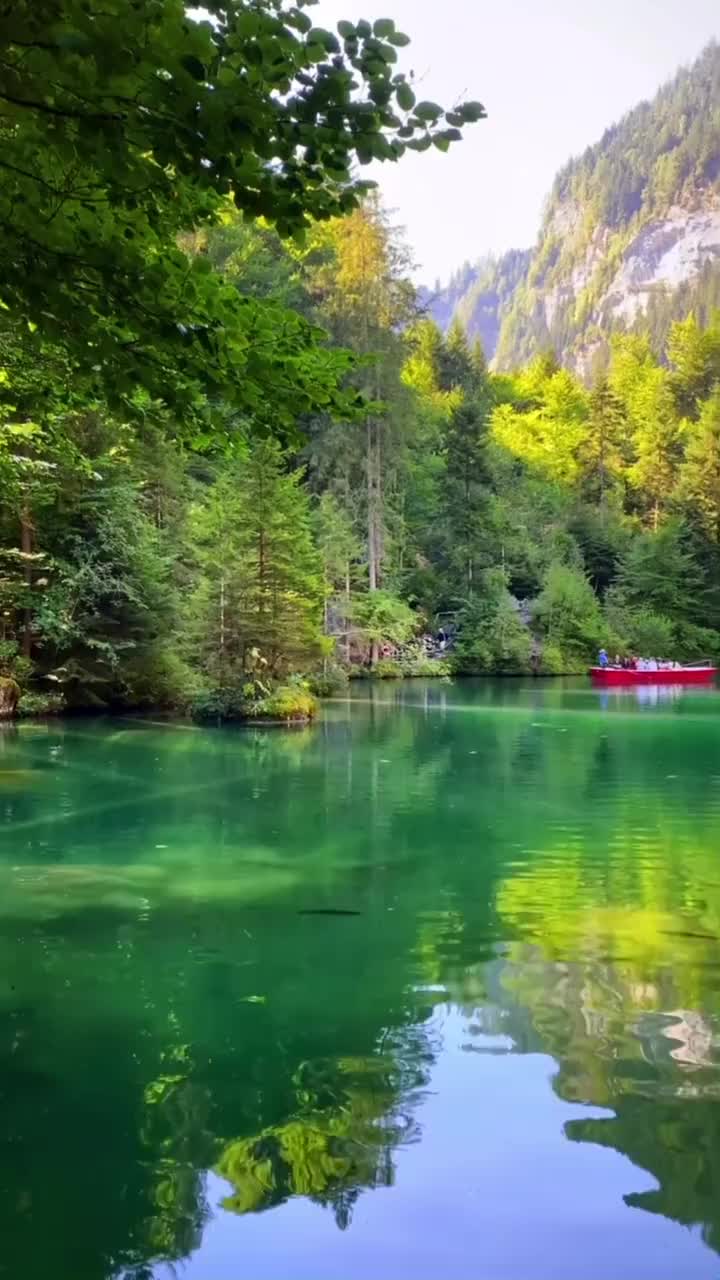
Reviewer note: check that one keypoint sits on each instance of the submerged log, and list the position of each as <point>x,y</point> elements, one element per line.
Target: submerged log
<point>9,697</point>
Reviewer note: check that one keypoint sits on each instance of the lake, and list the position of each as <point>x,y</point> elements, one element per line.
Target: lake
<point>429,989</point>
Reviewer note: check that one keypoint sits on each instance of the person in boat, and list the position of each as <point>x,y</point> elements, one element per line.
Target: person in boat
<point>617,662</point>
<point>603,658</point>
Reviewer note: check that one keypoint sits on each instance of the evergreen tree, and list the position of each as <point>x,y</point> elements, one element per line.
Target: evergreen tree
<point>601,453</point>
<point>694,354</point>
<point>363,293</point>
<point>257,609</point>
<point>699,478</point>
<point>466,491</point>
<point>658,572</point>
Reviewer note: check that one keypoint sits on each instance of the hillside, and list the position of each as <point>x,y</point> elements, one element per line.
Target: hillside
<point>630,238</point>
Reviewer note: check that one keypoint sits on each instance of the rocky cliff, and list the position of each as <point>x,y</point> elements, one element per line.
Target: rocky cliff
<point>630,237</point>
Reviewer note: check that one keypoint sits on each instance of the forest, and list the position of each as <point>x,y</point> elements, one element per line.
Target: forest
<point>238,463</point>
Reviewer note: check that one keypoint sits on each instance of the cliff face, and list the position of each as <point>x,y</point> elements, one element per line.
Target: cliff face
<point>630,238</point>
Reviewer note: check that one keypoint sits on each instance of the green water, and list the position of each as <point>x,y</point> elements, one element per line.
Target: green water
<point>506,1065</point>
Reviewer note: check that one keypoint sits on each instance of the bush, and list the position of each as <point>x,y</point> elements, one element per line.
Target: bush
<point>12,664</point>
<point>380,618</point>
<point>289,703</point>
<point>220,703</point>
<point>493,637</point>
<point>160,679</point>
<point>695,643</point>
<point>387,669</point>
<point>325,683</point>
<point>568,615</point>
<point>422,667</point>
<point>40,704</point>
<point>651,634</point>
<point>639,630</point>
<point>555,662</point>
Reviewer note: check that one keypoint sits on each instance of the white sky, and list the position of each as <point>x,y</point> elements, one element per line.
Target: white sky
<point>553,75</point>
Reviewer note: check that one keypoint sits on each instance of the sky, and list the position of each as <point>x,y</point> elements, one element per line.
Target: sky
<point>552,74</point>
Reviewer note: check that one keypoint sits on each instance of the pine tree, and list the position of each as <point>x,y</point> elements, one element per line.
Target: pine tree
<point>645,390</point>
<point>699,478</point>
<point>365,297</point>
<point>466,489</point>
<point>340,551</point>
<point>258,605</point>
<point>694,354</point>
<point>601,452</point>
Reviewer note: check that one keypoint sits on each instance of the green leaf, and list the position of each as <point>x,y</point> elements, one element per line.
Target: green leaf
<point>405,97</point>
<point>329,42</point>
<point>449,135</point>
<point>300,21</point>
<point>346,30</point>
<point>194,66</point>
<point>383,28</point>
<point>471,112</point>
<point>428,111</point>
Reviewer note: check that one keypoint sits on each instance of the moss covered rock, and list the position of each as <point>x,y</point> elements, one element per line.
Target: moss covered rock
<point>9,697</point>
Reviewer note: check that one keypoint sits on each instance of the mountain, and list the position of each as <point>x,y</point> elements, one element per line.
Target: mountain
<point>630,237</point>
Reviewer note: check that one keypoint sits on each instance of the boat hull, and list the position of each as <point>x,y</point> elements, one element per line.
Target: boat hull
<point>678,675</point>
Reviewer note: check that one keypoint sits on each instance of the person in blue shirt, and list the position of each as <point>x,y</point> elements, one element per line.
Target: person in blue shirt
<point>603,658</point>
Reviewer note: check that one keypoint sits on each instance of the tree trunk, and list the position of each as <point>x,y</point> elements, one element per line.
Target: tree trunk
<point>26,546</point>
<point>379,522</point>
<point>372,544</point>
<point>347,613</point>
<point>222,620</point>
<point>372,531</point>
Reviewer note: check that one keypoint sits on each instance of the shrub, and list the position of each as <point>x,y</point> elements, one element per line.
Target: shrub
<point>422,667</point>
<point>695,643</point>
<point>219,703</point>
<point>160,679</point>
<point>380,618</point>
<point>556,662</point>
<point>13,664</point>
<point>568,614</point>
<point>640,630</point>
<point>493,637</point>
<point>325,683</point>
<point>40,704</point>
<point>289,703</point>
<point>387,669</point>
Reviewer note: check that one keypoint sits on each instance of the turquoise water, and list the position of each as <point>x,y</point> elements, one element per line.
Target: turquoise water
<point>430,989</point>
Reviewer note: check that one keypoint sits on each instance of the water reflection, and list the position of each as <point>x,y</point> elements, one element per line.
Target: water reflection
<point>645,695</point>
<point>194,1069</point>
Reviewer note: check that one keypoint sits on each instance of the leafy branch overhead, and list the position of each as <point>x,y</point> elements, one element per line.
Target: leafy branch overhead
<point>124,125</point>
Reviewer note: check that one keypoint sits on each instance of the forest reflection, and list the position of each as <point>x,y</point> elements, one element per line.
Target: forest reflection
<point>174,1014</point>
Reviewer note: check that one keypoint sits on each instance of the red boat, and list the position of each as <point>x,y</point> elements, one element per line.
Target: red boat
<point>666,675</point>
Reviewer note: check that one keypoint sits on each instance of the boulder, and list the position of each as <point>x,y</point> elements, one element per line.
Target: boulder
<point>9,697</point>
